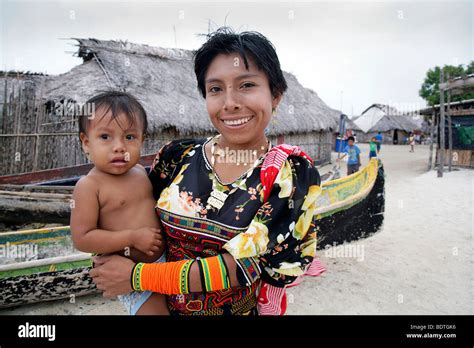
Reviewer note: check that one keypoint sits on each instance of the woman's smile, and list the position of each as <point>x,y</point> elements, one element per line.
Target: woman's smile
<point>237,123</point>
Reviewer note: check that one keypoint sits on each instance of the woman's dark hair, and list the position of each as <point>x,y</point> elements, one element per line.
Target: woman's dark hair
<point>249,43</point>
<point>117,102</point>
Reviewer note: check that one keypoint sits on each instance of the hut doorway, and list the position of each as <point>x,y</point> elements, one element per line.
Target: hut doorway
<point>395,137</point>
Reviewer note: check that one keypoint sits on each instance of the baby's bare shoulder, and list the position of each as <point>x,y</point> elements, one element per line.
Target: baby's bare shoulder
<point>141,168</point>
<point>139,172</point>
<point>87,183</point>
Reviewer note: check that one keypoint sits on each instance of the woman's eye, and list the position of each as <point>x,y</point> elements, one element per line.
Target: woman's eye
<point>104,136</point>
<point>248,85</point>
<point>130,137</point>
<point>214,89</point>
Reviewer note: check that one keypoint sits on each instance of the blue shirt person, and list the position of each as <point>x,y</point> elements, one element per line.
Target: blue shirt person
<point>353,153</point>
<point>379,139</point>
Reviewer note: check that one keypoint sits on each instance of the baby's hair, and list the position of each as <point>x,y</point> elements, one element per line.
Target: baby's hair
<point>248,44</point>
<point>117,102</point>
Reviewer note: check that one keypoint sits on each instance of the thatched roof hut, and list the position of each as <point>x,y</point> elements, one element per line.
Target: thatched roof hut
<point>393,124</point>
<point>384,118</point>
<point>164,81</point>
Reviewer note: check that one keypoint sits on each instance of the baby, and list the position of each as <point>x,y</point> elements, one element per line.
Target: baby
<point>113,204</point>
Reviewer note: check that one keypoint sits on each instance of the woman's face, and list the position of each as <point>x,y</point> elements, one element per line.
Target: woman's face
<point>239,101</point>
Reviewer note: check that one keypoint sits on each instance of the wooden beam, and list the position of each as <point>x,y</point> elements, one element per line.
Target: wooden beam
<point>441,127</point>
<point>450,134</point>
<point>433,121</point>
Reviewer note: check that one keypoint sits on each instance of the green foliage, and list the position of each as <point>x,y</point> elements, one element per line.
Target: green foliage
<point>430,87</point>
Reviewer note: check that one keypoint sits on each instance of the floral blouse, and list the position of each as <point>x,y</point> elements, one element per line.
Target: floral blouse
<point>272,241</point>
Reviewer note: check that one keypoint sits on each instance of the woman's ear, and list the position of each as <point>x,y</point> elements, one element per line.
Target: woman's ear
<point>276,101</point>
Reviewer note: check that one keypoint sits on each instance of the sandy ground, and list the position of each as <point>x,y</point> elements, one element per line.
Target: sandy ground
<point>421,261</point>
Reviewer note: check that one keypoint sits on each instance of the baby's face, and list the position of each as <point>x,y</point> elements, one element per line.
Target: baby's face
<point>113,144</point>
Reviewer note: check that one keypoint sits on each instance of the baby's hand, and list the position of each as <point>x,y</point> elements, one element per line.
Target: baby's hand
<point>147,239</point>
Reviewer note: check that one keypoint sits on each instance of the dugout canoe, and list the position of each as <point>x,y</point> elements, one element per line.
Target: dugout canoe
<point>352,207</point>
<point>20,205</point>
<point>349,209</point>
<point>42,265</point>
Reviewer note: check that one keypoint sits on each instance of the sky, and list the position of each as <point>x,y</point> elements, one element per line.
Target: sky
<point>351,53</point>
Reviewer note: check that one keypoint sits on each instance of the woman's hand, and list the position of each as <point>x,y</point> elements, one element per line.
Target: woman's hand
<point>112,275</point>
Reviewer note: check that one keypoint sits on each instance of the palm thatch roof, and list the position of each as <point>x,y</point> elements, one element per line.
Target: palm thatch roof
<point>164,82</point>
<point>384,118</point>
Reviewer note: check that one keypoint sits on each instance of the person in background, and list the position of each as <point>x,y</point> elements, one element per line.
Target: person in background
<point>411,141</point>
<point>373,148</point>
<point>353,152</point>
<point>379,139</point>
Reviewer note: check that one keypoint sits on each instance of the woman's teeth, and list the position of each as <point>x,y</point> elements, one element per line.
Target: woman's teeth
<point>237,122</point>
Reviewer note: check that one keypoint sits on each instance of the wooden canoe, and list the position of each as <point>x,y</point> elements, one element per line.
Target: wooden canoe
<point>42,265</point>
<point>352,207</point>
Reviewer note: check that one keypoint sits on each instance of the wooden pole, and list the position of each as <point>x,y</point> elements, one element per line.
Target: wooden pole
<point>441,126</point>
<point>39,118</point>
<point>450,133</point>
<point>436,139</point>
<point>430,160</point>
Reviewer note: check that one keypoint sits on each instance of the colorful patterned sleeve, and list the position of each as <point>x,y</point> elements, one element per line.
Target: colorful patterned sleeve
<point>165,163</point>
<point>280,242</point>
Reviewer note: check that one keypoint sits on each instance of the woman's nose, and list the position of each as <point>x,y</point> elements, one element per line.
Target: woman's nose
<point>232,100</point>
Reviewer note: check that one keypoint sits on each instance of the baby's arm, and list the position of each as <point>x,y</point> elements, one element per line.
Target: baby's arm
<point>88,238</point>
<point>139,256</point>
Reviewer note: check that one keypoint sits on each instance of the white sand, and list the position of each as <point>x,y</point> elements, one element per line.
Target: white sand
<point>420,263</point>
<point>422,260</point>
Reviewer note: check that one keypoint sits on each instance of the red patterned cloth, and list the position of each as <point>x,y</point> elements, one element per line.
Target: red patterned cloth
<point>271,299</point>
<point>274,160</point>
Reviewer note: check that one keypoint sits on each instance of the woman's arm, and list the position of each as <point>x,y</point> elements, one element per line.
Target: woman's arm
<point>112,274</point>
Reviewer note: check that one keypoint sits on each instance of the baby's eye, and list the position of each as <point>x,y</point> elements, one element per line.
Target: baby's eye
<point>104,136</point>
<point>130,137</point>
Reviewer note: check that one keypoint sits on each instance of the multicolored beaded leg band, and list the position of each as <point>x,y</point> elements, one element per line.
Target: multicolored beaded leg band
<point>168,278</point>
<point>214,273</point>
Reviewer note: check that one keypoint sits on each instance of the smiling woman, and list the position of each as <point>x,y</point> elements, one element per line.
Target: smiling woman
<point>233,227</point>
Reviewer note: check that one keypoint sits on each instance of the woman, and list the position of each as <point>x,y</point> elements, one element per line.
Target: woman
<point>231,225</point>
